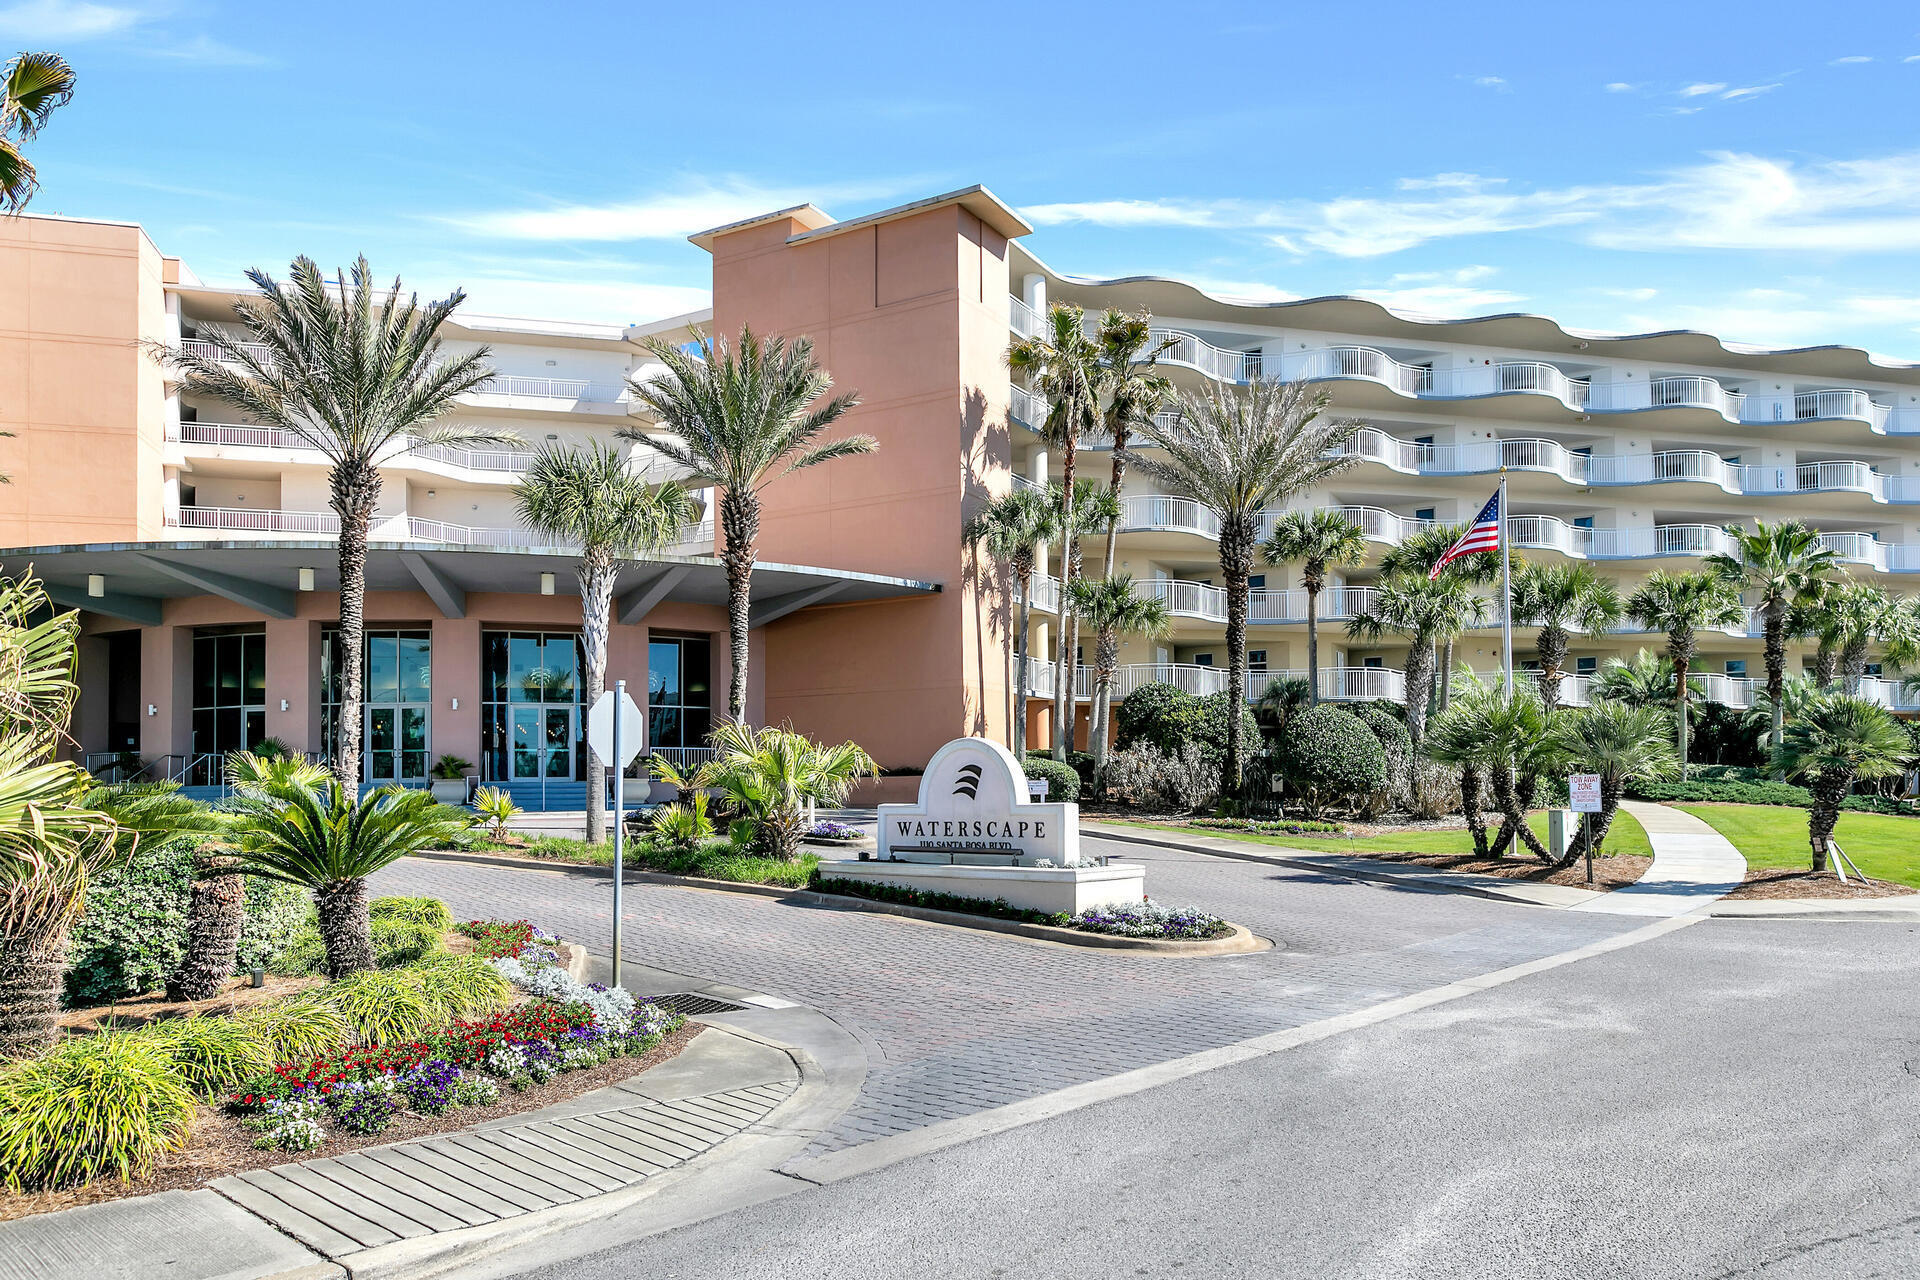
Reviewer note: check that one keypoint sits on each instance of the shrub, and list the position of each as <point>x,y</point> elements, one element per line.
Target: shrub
<point>496,806</point>
<point>96,1105</point>
<point>683,825</point>
<point>302,1026</point>
<point>277,912</point>
<point>466,986</point>
<point>1779,793</point>
<point>1150,920</point>
<point>1145,777</point>
<point>1063,781</point>
<point>398,942</point>
<point>1215,709</point>
<point>1328,756</point>
<point>426,911</point>
<point>1159,715</point>
<point>385,1005</point>
<point>1391,732</point>
<point>495,938</point>
<point>211,1054</point>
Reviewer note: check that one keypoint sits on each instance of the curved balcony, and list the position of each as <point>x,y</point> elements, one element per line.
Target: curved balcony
<point>1151,513</point>
<point>482,461</point>
<point>501,385</point>
<point>1337,684</point>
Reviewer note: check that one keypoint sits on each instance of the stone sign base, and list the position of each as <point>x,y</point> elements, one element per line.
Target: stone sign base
<point>1068,890</point>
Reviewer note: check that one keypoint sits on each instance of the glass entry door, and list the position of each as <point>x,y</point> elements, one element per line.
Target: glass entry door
<point>543,738</point>
<point>396,744</point>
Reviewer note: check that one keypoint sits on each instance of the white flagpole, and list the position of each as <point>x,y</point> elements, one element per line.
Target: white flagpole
<point>1506,590</point>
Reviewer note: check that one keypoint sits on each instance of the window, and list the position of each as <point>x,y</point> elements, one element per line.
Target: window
<point>1585,666</point>
<point>396,684</point>
<point>1732,460</point>
<point>1583,522</point>
<point>229,697</point>
<point>1372,662</point>
<point>531,728</point>
<point>1872,669</point>
<point>1256,659</point>
<point>1736,666</point>
<point>1423,440</point>
<point>1423,513</point>
<point>679,691</point>
<point>1257,581</point>
<point>1202,659</point>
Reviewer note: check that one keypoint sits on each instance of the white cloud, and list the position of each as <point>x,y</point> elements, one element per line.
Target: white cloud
<point>1750,91</point>
<point>205,51</point>
<point>1728,201</point>
<point>1455,292</point>
<point>1852,59</point>
<point>1629,295</point>
<point>1498,83</point>
<point>1912,57</point>
<point>697,206</point>
<point>1621,86</point>
<point>1701,89</point>
<point>52,20</point>
<point>589,301</point>
<point>1777,318</point>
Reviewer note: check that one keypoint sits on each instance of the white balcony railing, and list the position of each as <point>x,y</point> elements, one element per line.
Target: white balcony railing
<point>255,520</point>
<point>1154,513</point>
<point>503,384</point>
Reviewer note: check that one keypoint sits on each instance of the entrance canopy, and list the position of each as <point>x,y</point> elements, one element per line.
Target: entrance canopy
<point>266,576</point>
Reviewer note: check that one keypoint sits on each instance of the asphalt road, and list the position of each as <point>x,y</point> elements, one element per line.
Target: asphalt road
<point>1737,1098</point>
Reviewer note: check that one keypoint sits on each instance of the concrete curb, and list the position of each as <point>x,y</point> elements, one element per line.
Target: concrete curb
<point>1553,897</point>
<point>1900,910</point>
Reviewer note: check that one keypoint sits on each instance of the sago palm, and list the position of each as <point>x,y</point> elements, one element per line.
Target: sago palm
<point>1011,530</point>
<point>1317,541</point>
<point>742,416</point>
<point>32,87</point>
<point>320,838</point>
<point>1503,738</point>
<point>769,775</point>
<point>1779,567</point>
<point>1560,599</point>
<point>1428,612</point>
<point>1682,605</point>
<point>357,372</point>
<point>1113,609</point>
<point>1131,389</point>
<point>1835,742</point>
<point>1063,368</point>
<point>1620,742</point>
<point>1238,451</point>
<point>594,499</point>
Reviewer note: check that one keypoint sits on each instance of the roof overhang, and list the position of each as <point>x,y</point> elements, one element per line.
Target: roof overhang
<point>264,576</point>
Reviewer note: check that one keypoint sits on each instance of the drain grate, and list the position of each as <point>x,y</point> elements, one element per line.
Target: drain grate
<point>692,1004</point>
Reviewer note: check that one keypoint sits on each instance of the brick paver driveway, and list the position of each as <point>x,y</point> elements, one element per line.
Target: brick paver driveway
<point>955,1022</point>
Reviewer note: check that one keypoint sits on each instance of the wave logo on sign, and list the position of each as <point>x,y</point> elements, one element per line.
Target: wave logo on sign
<point>969,783</point>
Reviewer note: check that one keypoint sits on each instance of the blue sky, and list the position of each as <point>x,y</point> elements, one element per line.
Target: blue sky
<point>1752,169</point>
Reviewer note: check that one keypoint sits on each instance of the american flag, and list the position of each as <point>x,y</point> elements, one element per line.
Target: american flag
<point>1482,535</point>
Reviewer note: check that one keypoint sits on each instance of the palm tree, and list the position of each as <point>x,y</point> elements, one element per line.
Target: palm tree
<point>1559,599</point>
<point>317,836</point>
<point>1839,740</point>
<point>1426,611</point>
<point>1064,368</point>
<point>1418,553</point>
<point>1319,540</point>
<point>594,499</point>
<point>1134,390</point>
<point>1094,506</point>
<point>1113,609</point>
<point>358,374</point>
<point>1855,616</point>
<point>1779,566</point>
<point>1012,529</point>
<point>742,417</point>
<point>1644,681</point>
<point>770,774</point>
<point>1238,451</point>
<point>1681,604</point>
<point>1622,743</point>
<point>1502,737</point>
<point>32,86</point>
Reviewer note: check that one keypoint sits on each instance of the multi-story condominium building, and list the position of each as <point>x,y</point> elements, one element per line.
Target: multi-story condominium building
<point>198,546</point>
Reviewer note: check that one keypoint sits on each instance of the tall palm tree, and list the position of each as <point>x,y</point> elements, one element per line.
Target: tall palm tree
<point>1644,681</point>
<point>357,373</point>
<point>1559,599</point>
<point>1113,609</point>
<point>1856,616</point>
<point>32,87</point>
<point>1779,566</point>
<point>1095,506</point>
<point>594,499</point>
<point>1682,604</point>
<point>1837,741</point>
<point>1238,451</point>
<point>1063,367</point>
<point>1133,390</point>
<point>1418,553</point>
<point>1620,742</point>
<point>742,416</point>
<point>1428,612</point>
<point>1012,529</point>
<point>1318,540</point>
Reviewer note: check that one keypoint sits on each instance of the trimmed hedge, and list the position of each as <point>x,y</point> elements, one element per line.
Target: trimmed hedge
<point>1328,755</point>
<point>1165,717</point>
<point>1785,794</point>
<point>1063,780</point>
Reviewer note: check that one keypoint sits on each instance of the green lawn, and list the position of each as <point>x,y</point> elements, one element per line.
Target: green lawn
<point>714,860</point>
<point>1626,836</point>
<point>1886,846</point>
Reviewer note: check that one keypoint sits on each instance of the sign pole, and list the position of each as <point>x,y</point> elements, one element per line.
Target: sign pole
<point>619,820</point>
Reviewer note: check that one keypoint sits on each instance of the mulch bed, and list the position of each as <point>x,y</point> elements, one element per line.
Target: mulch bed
<point>1611,872</point>
<point>1784,882</point>
<point>220,1144</point>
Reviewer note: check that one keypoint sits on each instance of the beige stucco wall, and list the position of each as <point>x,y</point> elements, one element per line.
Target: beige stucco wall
<point>82,398</point>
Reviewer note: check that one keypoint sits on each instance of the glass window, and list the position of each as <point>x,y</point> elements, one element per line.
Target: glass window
<point>1257,581</point>
<point>1256,659</point>
<point>1736,666</point>
<point>1585,666</point>
<point>679,690</point>
<point>520,741</point>
<point>229,696</point>
<point>1423,513</point>
<point>398,672</point>
<point>383,667</point>
<point>1203,659</point>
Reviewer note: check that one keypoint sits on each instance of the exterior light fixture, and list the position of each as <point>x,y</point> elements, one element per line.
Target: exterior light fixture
<point>456,704</point>
<point>152,710</point>
<point>96,585</point>
<point>283,704</point>
<point>430,493</point>
<point>306,579</point>
<point>546,584</point>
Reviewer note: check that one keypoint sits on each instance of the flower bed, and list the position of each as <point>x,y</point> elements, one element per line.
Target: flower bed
<point>835,833</point>
<point>1133,920</point>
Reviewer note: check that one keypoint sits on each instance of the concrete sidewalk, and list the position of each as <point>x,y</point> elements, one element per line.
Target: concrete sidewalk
<point>1693,865</point>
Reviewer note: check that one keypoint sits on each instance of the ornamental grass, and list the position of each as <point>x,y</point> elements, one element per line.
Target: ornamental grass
<point>211,1054</point>
<point>302,1026</point>
<point>385,1006</point>
<point>96,1105</point>
<point>465,986</point>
